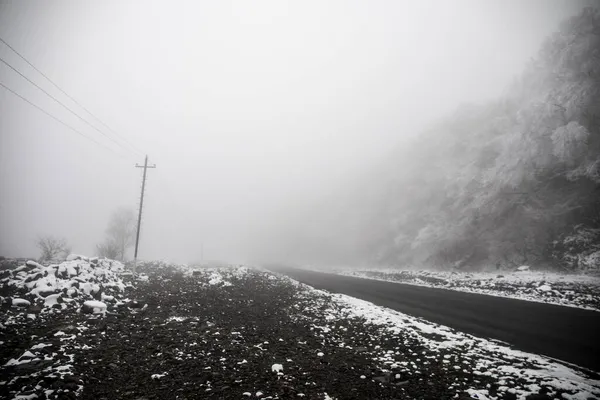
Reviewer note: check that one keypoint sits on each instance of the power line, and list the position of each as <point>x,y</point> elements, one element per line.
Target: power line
<point>60,102</point>
<point>55,118</point>
<point>70,97</point>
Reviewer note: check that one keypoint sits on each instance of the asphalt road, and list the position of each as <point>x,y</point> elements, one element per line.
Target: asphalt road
<point>566,333</point>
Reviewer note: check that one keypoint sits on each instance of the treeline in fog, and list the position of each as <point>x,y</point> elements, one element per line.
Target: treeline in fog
<point>514,181</point>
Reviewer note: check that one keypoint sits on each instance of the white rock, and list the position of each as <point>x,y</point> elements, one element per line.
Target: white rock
<point>21,302</point>
<point>27,354</point>
<point>51,300</point>
<point>97,307</point>
<point>73,257</point>
<point>106,297</point>
<point>32,263</point>
<point>277,368</point>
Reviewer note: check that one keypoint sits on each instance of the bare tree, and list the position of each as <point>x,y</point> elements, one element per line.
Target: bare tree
<point>121,231</point>
<point>53,248</point>
<point>109,249</point>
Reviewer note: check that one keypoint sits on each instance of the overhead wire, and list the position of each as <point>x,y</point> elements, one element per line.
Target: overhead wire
<point>56,118</point>
<point>134,148</point>
<point>60,102</point>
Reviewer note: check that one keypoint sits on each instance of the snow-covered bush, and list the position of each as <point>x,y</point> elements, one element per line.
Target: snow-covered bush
<point>580,250</point>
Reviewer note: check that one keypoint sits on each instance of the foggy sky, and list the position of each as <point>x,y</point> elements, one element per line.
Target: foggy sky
<point>249,109</point>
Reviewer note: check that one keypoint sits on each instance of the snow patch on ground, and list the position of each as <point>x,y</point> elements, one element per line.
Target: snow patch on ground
<point>21,302</point>
<point>493,357</point>
<point>518,373</point>
<point>277,368</point>
<point>158,376</point>
<point>48,359</point>
<point>217,279</point>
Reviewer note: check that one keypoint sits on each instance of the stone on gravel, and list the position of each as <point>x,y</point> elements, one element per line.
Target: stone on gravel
<point>93,307</point>
<point>277,368</point>
<point>20,302</point>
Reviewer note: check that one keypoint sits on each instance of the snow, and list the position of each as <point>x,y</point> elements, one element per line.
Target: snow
<point>524,366</point>
<point>51,300</point>
<point>94,304</point>
<point>67,284</point>
<point>25,396</point>
<point>25,358</point>
<point>516,370</point>
<point>34,264</point>
<point>106,297</point>
<point>277,368</point>
<point>479,394</point>
<point>28,354</point>
<point>544,288</point>
<point>21,302</point>
<point>158,376</point>
<point>44,358</point>
<point>40,346</point>
<point>217,279</point>
<point>176,319</point>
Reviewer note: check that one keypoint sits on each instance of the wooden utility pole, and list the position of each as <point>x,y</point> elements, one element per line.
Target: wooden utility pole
<point>137,236</point>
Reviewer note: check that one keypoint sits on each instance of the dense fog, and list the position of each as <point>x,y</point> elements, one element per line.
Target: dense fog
<point>295,132</point>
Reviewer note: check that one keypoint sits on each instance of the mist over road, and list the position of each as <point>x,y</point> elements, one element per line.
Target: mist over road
<point>566,333</point>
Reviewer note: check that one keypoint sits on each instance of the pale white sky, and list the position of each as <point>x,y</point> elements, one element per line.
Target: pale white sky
<point>248,108</point>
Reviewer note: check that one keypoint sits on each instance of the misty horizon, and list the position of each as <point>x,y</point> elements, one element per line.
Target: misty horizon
<point>258,117</point>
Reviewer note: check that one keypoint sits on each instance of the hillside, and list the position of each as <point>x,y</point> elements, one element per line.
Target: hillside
<point>511,182</point>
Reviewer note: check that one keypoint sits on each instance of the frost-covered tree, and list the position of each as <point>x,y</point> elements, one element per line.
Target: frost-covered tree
<point>108,249</point>
<point>501,182</point>
<point>53,248</point>
<point>120,234</point>
<point>496,183</point>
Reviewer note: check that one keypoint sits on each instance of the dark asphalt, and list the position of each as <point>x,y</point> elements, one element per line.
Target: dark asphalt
<point>566,333</point>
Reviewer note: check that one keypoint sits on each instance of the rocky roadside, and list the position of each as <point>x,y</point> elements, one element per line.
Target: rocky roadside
<point>240,333</point>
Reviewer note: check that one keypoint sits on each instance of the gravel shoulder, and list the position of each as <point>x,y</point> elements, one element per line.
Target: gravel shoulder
<point>173,332</point>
